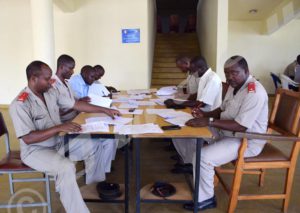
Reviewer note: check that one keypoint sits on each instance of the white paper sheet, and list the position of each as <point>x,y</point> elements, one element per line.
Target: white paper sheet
<point>179,120</point>
<point>98,89</point>
<point>138,91</point>
<point>144,103</point>
<point>167,115</point>
<point>158,111</point>
<point>135,112</point>
<point>109,120</point>
<point>138,129</point>
<point>100,101</point>
<point>167,90</point>
<point>128,106</point>
<point>94,127</point>
<point>158,101</point>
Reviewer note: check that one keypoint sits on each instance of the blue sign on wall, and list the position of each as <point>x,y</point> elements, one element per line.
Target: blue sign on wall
<point>130,35</point>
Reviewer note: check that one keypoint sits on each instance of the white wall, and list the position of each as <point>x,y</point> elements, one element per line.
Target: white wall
<point>15,47</point>
<point>264,53</point>
<point>91,34</point>
<point>212,31</point>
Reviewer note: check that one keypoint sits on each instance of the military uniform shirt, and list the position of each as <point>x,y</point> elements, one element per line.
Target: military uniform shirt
<point>249,109</point>
<point>32,114</point>
<point>192,84</point>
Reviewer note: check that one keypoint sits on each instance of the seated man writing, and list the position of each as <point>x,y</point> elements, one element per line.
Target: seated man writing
<point>36,118</point>
<point>245,108</point>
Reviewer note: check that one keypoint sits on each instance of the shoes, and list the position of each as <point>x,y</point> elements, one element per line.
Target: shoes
<point>175,157</point>
<point>206,204</point>
<point>183,169</point>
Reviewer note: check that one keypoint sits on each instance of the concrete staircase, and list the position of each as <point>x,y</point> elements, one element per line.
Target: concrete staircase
<point>167,48</point>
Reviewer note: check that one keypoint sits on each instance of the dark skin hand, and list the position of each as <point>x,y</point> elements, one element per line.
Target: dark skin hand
<point>41,135</point>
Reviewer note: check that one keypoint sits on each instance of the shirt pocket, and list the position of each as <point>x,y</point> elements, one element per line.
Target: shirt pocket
<point>231,109</point>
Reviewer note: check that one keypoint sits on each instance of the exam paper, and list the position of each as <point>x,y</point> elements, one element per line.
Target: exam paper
<point>138,91</point>
<point>158,111</point>
<point>128,105</point>
<point>167,115</point>
<point>135,112</point>
<point>98,89</point>
<point>167,90</point>
<point>100,101</point>
<point>179,120</point>
<point>137,129</point>
<point>109,120</point>
<point>94,127</point>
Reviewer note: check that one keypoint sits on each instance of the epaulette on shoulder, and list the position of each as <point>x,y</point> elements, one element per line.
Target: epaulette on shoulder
<point>251,87</point>
<point>23,96</point>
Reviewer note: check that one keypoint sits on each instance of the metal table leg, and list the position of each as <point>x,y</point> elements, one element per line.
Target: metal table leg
<point>137,176</point>
<point>197,171</point>
<point>126,179</point>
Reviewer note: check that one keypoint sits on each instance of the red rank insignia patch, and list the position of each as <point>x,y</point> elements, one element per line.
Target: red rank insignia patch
<point>52,81</point>
<point>23,96</point>
<point>251,87</point>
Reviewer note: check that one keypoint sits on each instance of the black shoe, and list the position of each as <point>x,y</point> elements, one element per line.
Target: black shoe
<point>175,157</point>
<point>182,170</point>
<point>185,165</point>
<point>206,204</point>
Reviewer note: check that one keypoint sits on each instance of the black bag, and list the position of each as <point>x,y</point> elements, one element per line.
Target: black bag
<point>108,191</point>
<point>163,189</point>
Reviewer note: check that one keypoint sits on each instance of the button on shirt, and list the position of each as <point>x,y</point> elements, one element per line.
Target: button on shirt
<point>210,90</point>
<point>32,114</point>
<point>249,109</point>
<point>78,86</point>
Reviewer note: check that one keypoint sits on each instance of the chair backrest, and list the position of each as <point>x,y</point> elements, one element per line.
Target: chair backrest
<point>4,132</point>
<point>285,115</point>
<point>276,80</point>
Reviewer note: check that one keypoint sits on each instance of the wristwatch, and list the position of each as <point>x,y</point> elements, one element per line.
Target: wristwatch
<point>210,120</point>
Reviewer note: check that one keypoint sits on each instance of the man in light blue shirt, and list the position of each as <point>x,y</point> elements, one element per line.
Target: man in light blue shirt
<point>80,83</point>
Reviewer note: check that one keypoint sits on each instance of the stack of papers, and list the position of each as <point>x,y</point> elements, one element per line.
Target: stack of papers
<point>138,91</point>
<point>159,111</point>
<point>137,129</point>
<point>135,112</point>
<point>109,120</point>
<point>94,127</point>
<point>128,105</point>
<point>167,90</point>
<point>174,114</point>
<point>100,101</point>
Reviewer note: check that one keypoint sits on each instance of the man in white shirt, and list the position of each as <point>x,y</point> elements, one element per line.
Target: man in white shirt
<point>209,97</point>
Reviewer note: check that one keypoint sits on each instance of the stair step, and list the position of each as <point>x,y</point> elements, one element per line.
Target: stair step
<point>165,59</point>
<point>168,75</point>
<point>173,81</point>
<point>166,69</point>
<point>165,64</point>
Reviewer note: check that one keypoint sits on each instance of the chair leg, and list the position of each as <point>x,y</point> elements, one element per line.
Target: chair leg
<point>48,194</point>
<point>236,184</point>
<point>11,184</point>
<point>288,189</point>
<point>262,177</point>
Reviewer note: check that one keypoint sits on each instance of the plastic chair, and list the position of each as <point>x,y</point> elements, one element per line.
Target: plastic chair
<point>288,83</point>
<point>276,80</point>
<point>12,164</point>
<point>284,119</point>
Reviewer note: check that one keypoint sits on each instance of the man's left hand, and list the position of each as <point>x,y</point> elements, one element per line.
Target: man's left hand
<point>197,122</point>
<point>112,113</point>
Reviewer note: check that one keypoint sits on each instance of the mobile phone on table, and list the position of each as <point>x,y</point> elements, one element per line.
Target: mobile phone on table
<point>171,127</point>
<point>131,110</point>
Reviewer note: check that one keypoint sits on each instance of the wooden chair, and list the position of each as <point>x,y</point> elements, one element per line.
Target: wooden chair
<point>12,164</point>
<point>284,119</point>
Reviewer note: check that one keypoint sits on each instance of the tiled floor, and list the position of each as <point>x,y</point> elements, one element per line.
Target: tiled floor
<point>156,165</point>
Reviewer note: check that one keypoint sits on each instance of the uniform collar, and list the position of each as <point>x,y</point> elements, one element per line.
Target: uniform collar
<point>249,79</point>
<point>206,74</point>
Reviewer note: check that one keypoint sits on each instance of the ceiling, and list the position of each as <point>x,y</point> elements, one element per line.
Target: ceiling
<point>239,9</point>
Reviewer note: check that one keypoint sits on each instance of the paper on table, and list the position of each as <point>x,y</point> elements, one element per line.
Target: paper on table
<point>179,120</point>
<point>137,129</point>
<point>165,97</point>
<point>109,120</point>
<point>100,101</point>
<point>167,115</point>
<point>158,111</point>
<point>98,89</point>
<point>94,127</point>
<point>138,91</point>
<point>135,112</point>
<point>144,103</point>
<point>128,105</point>
<point>167,90</point>
<point>159,101</point>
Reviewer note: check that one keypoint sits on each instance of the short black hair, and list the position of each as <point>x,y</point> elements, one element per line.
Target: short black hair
<point>86,68</point>
<point>237,59</point>
<point>34,68</point>
<point>199,62</point>
<point>64,59</point>
<point>298,59</point>
<point>96,67</point>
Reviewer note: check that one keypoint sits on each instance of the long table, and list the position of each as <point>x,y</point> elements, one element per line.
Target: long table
<point>185,132</point>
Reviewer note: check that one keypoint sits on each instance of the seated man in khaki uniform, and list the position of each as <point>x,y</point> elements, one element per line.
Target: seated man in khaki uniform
<point>245,108</point>
<point>35,115</point>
